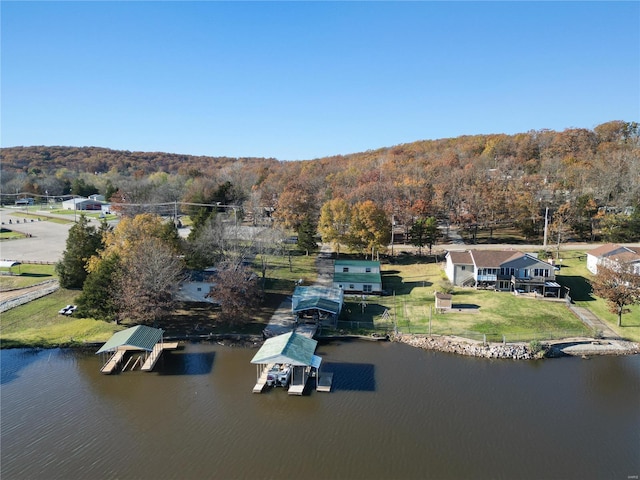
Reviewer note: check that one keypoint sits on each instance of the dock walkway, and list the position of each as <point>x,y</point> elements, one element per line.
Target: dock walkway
<point>153,358</point>
<point>262,381</point>
<point>113,362</point>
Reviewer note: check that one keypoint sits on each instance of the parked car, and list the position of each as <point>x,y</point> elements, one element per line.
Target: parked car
<point>68,310</point>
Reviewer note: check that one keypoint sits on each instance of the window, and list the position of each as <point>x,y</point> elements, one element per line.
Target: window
<point>351,287</point>
<point>367,288</point>
<point>367,269</point>
<point>463,267</point>
<point>345,269</point>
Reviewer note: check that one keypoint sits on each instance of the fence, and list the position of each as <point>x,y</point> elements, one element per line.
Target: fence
<point>491,337</point>
<point>48,287</point>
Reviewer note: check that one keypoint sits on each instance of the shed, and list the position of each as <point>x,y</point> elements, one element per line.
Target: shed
<point>443,301</point>
<point>9,264</point>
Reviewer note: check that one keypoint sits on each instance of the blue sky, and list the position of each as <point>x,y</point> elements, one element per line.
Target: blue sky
<point>302,80</point>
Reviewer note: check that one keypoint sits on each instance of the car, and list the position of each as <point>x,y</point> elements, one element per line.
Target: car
<point>68,310</point>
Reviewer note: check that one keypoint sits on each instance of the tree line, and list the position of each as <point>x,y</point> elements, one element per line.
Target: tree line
<point>585,183</point>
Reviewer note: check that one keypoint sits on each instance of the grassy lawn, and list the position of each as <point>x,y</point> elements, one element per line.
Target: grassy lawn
<point>26,275</point>
<point>489,313</point>
<point>574,274</point>
<point>38,323</point>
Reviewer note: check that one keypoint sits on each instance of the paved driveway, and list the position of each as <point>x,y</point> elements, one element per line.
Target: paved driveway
<point>46,241</point>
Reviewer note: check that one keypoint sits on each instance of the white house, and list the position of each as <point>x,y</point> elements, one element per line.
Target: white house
<point>198,287</point>
<point>503,270</point>
<point>357,276</point>
<point>612,255</point>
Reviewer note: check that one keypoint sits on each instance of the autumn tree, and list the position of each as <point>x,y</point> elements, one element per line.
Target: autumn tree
<point>84,241</point>
<point>237,292</point>
<point>619,285</point>
<point>295,204</point>
<point>370,229</point>
<point>333,226</point>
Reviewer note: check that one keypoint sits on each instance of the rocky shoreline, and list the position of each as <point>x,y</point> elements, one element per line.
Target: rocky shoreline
<point>519,351</point>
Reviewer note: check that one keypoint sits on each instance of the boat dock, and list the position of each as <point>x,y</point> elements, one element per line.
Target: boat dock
<point>262,379</point>
<point>113,362</point>
<point>324,382</point>
<point>158,348</point>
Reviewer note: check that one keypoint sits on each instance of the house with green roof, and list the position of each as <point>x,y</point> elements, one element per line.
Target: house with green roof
<point>357,276</point>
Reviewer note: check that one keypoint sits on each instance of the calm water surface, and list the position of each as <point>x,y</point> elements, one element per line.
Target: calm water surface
<point>395,412</point>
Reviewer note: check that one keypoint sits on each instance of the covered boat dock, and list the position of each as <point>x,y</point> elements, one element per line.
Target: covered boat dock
<point>290,349</point>
<point>139,338</point>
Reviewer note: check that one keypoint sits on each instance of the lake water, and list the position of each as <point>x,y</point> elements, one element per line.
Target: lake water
<point>395,412</point>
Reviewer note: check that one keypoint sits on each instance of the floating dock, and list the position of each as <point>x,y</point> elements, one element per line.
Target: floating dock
<point>113,362</point>
<point>153,358</point>
<point>262,379</point>
<point>324,382</point>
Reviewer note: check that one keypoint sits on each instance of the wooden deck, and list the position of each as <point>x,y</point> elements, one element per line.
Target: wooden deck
<point>298,388</point>
<point>324,382</point>
<point>153,358</point>
<point>113,362</point>
<point>262,381</point>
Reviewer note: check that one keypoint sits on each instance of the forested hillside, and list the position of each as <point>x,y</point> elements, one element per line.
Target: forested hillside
<point>588,179</point>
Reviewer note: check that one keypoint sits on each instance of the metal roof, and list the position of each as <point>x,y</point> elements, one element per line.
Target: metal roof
<point>139,337</point>
<point>8,263</point>
<point>318,304</point>
<point>357,263</point>
<point>340,277</point>
<point>288,348</point>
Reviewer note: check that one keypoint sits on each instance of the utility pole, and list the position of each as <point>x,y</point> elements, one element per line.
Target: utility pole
<point>546,225</point>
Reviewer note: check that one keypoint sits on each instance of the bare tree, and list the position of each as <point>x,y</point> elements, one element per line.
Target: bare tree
<point>236,290</point>
<point>150,274</point>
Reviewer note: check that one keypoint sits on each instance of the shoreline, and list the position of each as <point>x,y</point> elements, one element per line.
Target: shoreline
<point>578,347</point>
<point>581,347</point>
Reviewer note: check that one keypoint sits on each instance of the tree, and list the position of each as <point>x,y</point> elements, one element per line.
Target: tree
<point>335,218</point>
<point>423,232</point>
<point>307,236</point>
<point>148,277</point>
<point>370,229</point>
<point>98,297</point>
<point>619,285</point>
<point>83,242</point>
<point>236,290</point>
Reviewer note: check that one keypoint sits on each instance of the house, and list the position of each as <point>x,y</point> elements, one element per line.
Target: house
<point>357,276</point>
<point>502,270</point>
<point>198,287</point>
<point>81,203</point>
<point>612,255</point>
<point>24,201</point>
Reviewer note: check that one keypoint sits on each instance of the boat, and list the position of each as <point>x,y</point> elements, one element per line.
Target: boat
<point>279,375</point>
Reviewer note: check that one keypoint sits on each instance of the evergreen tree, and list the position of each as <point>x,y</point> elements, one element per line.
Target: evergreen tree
<point>97,299</point>
<point>307,236</point>
<point>84,241</point>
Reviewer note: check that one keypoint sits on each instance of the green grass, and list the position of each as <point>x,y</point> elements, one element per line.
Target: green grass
<point>26,275</point>
<point>38,323</point>
<point>574,274</point>
<point>496,313</point>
